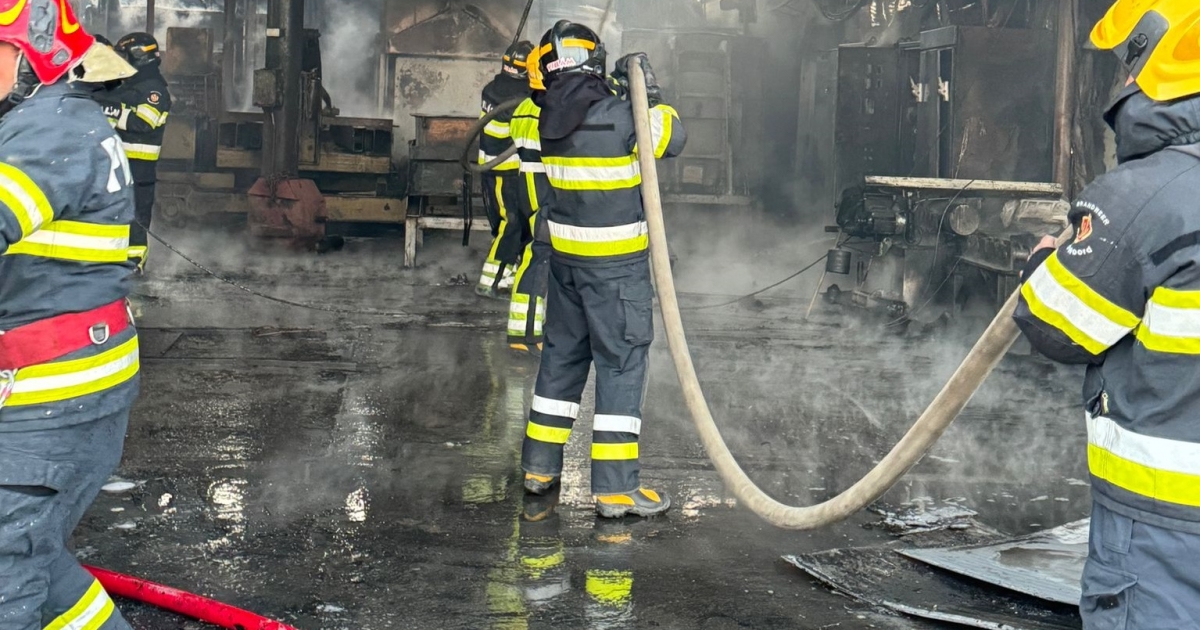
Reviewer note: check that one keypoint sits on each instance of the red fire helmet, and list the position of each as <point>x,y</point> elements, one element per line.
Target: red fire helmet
<point>47,32</point>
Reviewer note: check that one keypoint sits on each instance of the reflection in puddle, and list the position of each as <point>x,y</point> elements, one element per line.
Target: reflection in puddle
<point>356,506</point>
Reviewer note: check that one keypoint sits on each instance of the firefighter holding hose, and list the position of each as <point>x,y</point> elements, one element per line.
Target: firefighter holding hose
<point>1123,298</point>
<point>500,185</point>
<point>68,350</point>
<point>600,300</point>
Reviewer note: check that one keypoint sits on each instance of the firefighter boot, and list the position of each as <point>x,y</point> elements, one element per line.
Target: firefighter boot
<point>641,502</point>
<point>539,485</point>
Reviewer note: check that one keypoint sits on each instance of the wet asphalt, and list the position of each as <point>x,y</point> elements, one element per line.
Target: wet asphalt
<point>361,470</point>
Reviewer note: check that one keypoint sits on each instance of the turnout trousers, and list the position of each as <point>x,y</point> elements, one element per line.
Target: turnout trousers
<point>601,316</point>
<point>53,460</point>
<point>527,307</point>
<point>500,201</point>
<point>1139,576</point>
<point>145,176</point>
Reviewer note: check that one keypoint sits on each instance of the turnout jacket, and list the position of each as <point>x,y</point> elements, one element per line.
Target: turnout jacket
<point>497,135</point>
<point>535,191</point>
<point>590,156</point>
<point>138,110</point>
<point>1124,299</point>
<point>66,203</point>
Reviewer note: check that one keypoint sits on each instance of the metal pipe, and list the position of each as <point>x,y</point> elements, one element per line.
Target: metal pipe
<point>150,16</point>
<point>228,55</point>
<point>521,25</point>
<point>1064,98</point>
<point>291,50</point>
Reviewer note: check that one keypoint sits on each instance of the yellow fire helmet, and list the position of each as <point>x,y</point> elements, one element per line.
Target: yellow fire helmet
<point>534,67</point>
<point>1158,41</point>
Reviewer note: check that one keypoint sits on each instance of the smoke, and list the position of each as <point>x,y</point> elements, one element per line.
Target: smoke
<point>350,53</point>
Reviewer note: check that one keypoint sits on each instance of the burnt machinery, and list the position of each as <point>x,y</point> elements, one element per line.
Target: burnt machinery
<point>943,147</point>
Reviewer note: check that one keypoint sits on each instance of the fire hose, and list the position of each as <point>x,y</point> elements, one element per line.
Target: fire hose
<point>465,160</point>
<point>920,438</point>
<point>940,414</point>
<point>183,603</point>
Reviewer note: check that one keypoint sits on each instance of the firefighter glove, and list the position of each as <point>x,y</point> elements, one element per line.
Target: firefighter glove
<point>621,74</point>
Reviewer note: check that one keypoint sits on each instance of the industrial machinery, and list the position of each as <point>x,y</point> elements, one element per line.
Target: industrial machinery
<point>944,147</point>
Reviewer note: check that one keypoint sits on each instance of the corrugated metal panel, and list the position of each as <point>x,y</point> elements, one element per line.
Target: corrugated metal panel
<point>1047,565</point>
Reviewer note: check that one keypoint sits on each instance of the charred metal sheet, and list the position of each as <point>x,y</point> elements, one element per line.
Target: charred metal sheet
<point>879,576</point>
<point>1047,565</point>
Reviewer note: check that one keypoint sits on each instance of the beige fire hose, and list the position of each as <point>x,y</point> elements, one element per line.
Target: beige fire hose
<point>983,358</point>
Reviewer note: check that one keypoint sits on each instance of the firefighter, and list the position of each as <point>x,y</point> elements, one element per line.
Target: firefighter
<point>600,301</point>
<point>68,352</point>
<point>527,307</point>
<point>501,183</point>
<point>141,119</point>
<point>1123,298</point>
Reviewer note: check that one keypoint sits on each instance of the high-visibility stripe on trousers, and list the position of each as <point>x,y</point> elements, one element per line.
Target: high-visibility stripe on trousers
<point>53,461</point>
<point>500,198</point>
<point>602,316</point>
<point>527,308</point>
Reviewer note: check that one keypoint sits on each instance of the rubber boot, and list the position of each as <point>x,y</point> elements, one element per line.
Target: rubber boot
<point>532,351</point>
<point>539,485</point>
<point>641,502</point>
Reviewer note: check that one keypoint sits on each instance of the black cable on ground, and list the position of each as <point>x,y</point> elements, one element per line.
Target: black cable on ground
<point>760,291</point>
<point>314,307</point>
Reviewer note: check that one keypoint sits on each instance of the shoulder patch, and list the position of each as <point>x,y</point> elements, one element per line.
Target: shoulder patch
<point>154,98</point>
<point>1084,230</point>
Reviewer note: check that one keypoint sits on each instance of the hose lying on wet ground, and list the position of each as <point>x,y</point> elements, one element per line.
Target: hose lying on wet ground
<point>183,603</point>
<point>944,409</point>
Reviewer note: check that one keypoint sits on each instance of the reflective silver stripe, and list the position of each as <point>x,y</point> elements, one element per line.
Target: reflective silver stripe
<point>598,234</point>
<point>74,379</point>
<point>48,236</point>
<point>524,142</point>
<point>1151,452</point>
<point>560,408</point>
<point>497,129</point>
<point>532,167</point>
<point>617,424</point>
<point>1172,322</point>
<point>484,158</point>
<point>36,212</point>
<point>1088,320</point>
<point>94,610</point>
<point>132,149</point>
<point>624,173</point>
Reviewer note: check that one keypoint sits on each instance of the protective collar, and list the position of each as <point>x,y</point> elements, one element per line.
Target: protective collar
<point>1144,126</point>
<point>567,102</point>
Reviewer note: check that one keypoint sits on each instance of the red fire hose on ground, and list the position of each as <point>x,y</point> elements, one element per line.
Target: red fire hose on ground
<point>183,603</point>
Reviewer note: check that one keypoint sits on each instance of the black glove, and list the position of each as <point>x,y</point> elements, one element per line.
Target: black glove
<point>621,74</point>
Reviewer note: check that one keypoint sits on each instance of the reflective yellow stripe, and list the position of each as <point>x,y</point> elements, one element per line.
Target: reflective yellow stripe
<point>76,241</point>
<point>662,126</point>
<point>590,173</point>
<point>1163,485</point>
<point>1172,322</point>
<point>90,613</point>
<point>550,435</point>
<point>151,115</point>
<point>578,43</point>
<point>511,164</point>
<point>1057,297</point>
<point>138,252</point>
<point>497,129</point>
<point>64,380</point>
<point>597,242</point>
<point>1153,467</point>
<point>611,588</point>
<point>147,152</point>
<point>614,452</point>
<point>549,562</point>
<point>24,199</point>
<point>1097,302</point>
